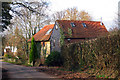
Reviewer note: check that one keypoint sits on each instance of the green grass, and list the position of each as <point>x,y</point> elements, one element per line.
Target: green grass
<point>19,63</point>
<point>11,62</point>
<point>62,69</point>
<point>28,65</point>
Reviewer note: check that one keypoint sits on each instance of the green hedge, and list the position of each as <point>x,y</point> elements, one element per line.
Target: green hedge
<point>103,52</point>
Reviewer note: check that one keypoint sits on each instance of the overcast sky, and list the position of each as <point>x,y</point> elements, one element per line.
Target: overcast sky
<point>107,9</point>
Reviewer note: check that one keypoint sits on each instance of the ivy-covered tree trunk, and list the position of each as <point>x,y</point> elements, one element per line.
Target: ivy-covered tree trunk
<point>33,52</point>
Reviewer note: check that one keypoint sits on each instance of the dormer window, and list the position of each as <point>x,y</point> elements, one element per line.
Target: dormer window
<point>72,24</point>
<point>48,32</point>
<point>84,25</point>
<point>101,23</point>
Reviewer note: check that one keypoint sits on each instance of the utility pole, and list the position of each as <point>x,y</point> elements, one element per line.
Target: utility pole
<point>0,29</point>
<point>119,14</point>
<point>0,39</point>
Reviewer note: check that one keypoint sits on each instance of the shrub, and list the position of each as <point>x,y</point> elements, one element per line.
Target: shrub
<point>54,59</point>
<point>33,52</point>
<point>7,56</point>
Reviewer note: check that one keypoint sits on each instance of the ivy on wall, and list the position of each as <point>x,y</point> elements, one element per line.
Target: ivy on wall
<point>61,37</point>
<point>69,32</point>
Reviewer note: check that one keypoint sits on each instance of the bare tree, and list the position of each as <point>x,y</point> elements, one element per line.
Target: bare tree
<point>71,14</point>
<point>84,16</point>
<point>58,16</point>
<point>29,16</point>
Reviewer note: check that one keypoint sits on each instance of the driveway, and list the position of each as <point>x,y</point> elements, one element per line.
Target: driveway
<point>22,72</point>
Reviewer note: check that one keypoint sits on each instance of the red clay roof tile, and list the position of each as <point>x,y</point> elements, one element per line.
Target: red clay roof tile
<point>41,35</point>
<point>93,28</point>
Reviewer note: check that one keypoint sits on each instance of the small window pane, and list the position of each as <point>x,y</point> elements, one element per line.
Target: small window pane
<point>72,24</point>
<point>48,32</point>
<point>56,27</point>
<point>84,25</point>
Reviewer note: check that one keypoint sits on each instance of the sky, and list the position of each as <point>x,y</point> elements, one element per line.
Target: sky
<point>105,9</point>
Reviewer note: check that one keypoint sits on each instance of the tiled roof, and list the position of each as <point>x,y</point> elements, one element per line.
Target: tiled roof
<point>92,29</point>
<point>41,35</point>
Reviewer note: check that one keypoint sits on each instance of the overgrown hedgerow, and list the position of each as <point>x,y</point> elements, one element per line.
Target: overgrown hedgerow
<point>100,53</point>
<point>54,59</point>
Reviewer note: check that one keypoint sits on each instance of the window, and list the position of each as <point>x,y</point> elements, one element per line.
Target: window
<point>56,27</point>
<point>84,25</point>
<point>72,24</point>
<point>68,40</point>
<point>54,43</point>
<point>48,32</point>
<point>43,44</point>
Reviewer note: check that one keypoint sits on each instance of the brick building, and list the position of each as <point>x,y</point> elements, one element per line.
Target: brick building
<point>68,31</point>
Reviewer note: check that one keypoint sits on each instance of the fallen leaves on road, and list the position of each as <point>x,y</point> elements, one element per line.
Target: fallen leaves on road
<point>61,73</point>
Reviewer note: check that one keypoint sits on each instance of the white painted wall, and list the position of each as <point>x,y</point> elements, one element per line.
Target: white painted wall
<point>13,49</point>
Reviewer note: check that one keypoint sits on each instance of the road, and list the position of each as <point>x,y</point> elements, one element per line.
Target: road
<point>22,72</point>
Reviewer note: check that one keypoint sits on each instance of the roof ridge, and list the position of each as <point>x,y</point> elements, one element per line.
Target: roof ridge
<point>78,20</point>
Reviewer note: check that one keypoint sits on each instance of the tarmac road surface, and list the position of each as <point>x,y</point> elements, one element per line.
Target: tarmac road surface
<point>27,73</point>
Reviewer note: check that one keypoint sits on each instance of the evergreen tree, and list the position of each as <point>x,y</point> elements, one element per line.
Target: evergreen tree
<point>33,52</point>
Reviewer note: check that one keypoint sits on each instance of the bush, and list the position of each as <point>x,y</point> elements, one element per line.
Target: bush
<point>54,59</point>
<point>7,56</point>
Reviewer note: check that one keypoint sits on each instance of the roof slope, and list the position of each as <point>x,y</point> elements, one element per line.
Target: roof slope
<point>93,28</point>
<point>41,35</point>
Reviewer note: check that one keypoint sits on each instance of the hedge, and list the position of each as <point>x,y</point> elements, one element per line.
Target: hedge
<point>103,52</point>
<point>54,59</point>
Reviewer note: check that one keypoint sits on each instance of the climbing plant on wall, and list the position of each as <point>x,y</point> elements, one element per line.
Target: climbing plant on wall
<point>69,32</point>
<point>61,37</point>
